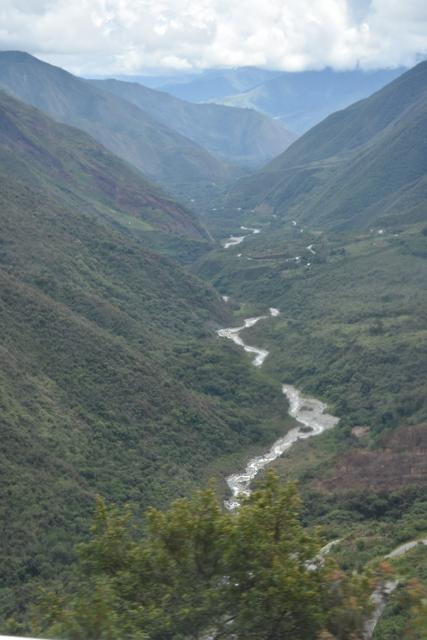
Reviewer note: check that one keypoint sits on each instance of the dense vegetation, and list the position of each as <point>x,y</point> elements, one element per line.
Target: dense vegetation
<point>201,572</point>
<point>114,383</point>
<point>406,612</point>
<point>99,391</point>
<point>351,331</point>
<point>353,316</point>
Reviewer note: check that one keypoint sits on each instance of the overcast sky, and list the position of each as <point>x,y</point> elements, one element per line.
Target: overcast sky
<point>136,36</point>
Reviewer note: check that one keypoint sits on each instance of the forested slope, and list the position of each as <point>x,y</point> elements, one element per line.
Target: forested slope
<point>100,342</point>
<point>159,152</point>
<point>362,166</point>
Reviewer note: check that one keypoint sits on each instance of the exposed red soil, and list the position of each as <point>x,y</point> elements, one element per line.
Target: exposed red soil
<point>400,462</point>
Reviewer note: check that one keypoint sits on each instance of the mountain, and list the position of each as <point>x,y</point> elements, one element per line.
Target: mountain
<point>159,152</point>
<point>297,99</point>
<point>112,378</point>
<point>302,99</point>
<point>67,165</point>
<point>363,166</point>
<point>212,84</point>
<point>242,136</point>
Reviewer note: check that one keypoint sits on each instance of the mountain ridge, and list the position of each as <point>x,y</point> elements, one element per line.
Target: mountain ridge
<point>242,136</point>
<point>64,160</point>
<point>338,174</point>
<point>160,153</point>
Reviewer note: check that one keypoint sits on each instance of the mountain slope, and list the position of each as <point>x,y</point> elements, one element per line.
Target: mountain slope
<point>211,84</point>
<point>242,136</point>
<point>68,165</point>
<point>159,152</point>
<point>362,166</point>
<point>301,100</point>
<point>112,379</point>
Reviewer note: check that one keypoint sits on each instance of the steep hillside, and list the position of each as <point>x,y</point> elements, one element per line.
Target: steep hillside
<point>112,379</point>
<point>302,99</point>
<point>242,136</point>
<point>352,328</point>
<point>71,167</point>
<point>159,152</point>
<point>362,166</point>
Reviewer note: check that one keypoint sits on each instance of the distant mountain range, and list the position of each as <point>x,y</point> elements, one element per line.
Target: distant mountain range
<point>155,145</point>
<point>297,99</point>
<point>301,100</point>
<point>242,136</point>
<point>207,85</point>
<point>66,165</point>
<point>158,151</point>
<point>365,165</point>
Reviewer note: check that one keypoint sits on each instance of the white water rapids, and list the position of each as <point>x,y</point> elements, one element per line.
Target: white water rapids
<point>309,412</point>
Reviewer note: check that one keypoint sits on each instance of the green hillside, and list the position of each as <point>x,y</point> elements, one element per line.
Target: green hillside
<point>112,381</point>
<point>302,99</point>
<point>159,152</point>
<point>352,332</point>
<point>64,163</point>
<point>352,328</point>
<point>362,166</point>
<point>242,136</point>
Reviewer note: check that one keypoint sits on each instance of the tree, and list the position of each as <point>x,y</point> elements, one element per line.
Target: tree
<point>200,572</point>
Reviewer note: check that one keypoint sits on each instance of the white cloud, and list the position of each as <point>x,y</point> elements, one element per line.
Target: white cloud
<point>111,36</point>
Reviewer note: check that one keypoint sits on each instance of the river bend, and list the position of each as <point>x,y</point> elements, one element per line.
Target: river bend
<point>309,412</point>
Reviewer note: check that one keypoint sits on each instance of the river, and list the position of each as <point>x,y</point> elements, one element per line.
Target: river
<point>309,412</point>
<point>233,240</point>
<point>313,420</point>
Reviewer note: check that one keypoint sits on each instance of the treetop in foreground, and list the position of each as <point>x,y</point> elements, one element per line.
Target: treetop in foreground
<point>201,572</point>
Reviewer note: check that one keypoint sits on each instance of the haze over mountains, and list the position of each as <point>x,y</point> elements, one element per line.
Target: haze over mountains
<point>210,85</point>
<point>156,150</point>
<point>157,145</point>
<point>242,136</point>
<point>298,99</point>
<point>365,165</point>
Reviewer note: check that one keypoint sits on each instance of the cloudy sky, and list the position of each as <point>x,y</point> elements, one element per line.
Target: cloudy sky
<point>136,36</point>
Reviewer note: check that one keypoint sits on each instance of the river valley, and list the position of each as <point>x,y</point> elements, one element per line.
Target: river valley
<point>312,419</point>
<point>309,412</point>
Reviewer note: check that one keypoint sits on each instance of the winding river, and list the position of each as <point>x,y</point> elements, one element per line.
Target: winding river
<point>313,420</point>
<point>233,240</point>
<point>309,412</point>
